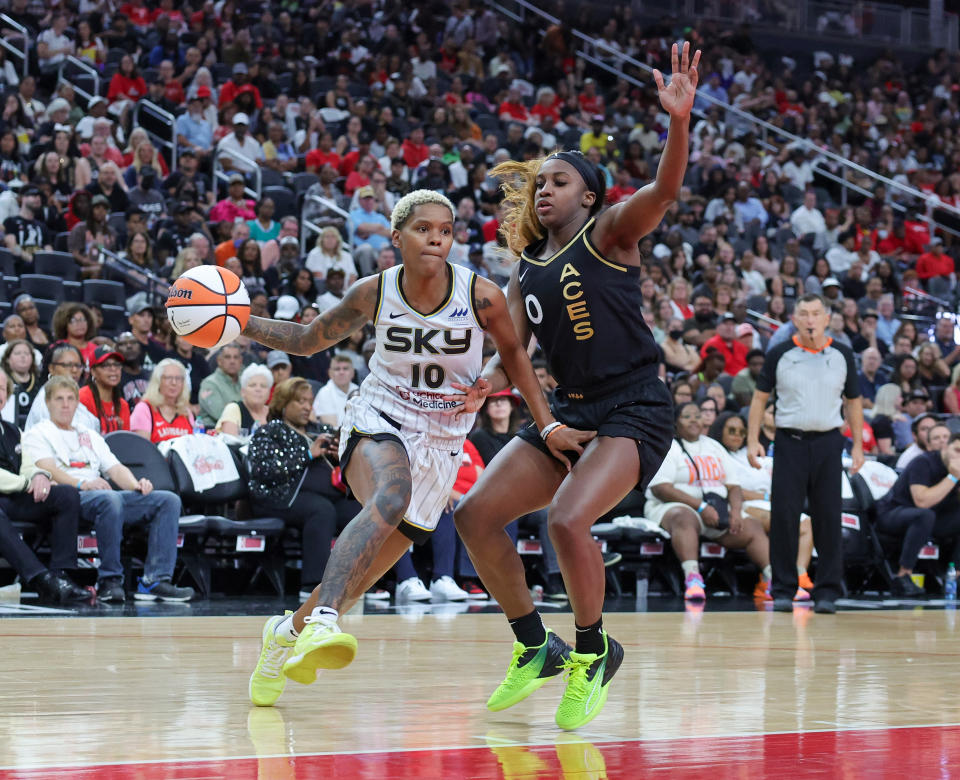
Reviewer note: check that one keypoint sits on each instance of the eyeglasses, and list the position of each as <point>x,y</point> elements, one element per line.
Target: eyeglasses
<point>173,379</point>
<point>736,431</point>
<point>76,319</point>
<point>71,366</point>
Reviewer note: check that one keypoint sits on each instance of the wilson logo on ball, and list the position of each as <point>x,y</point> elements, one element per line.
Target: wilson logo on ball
<point>208,306</point>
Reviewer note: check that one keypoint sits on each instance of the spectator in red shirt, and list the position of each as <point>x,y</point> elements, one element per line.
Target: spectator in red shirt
<point>102,394</point>
<point>137,12</point>
<point>546,106</point>
<point>916,235</point>
<point>127,83</point>
<point>239,85</point>
<point>172,89</point>
<point>513,108</point>
<point>734,352</point>
<point>934,264</point>
<point>322,155</point>
<point>352,159</point>
<point>590,102</point>
<point>360,177</point>
<point>623,188</point>
<point>414,150</point>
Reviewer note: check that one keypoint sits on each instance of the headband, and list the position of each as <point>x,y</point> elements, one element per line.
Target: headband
<point>587,170</point>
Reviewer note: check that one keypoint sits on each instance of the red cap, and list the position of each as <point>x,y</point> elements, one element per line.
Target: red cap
<point>505,394</point>
<point>103,353</point>
<point>204,92</point>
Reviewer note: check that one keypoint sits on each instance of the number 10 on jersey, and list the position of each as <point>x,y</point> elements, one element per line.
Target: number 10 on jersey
<point>430,374</point>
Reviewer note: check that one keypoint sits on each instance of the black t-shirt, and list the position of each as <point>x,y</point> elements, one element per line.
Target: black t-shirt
<point>926,469</point>
<point>882,427</point>
<point>488,444</point>
<point>30,233</point>
<point>133,386</point>
<point>199,180</point>
<point>118,196</point>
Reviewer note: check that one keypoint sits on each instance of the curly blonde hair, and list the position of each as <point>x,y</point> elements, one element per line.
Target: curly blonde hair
<point>405,206</point>
<point>518,181</point>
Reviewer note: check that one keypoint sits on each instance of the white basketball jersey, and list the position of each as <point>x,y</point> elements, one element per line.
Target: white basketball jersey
<point>419,355</point>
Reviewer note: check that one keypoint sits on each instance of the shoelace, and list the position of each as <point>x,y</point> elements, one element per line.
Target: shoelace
<point>272,663</point>
<point>329,623</point>
<point>575,675</point>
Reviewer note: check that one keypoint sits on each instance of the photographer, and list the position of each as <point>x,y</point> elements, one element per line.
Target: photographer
<point>291,476</point>
<point>695,493</point>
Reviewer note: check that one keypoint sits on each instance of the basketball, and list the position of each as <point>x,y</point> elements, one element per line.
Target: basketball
<point>208,306</point>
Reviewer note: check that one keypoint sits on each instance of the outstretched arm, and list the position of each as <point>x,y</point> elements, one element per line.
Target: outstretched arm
<point>623,225</point>
<point>356,309</point>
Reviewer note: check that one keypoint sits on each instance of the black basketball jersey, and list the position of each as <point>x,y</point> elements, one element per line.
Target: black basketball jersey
<point>586,312</point>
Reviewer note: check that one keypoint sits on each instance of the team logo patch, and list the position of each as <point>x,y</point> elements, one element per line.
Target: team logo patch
<point>459,315</point>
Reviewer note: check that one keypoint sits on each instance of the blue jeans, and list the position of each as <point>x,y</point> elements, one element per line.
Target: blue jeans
<point>108,510</point>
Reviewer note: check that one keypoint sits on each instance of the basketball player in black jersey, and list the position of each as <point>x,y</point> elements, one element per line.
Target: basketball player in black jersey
<point>576,288</point>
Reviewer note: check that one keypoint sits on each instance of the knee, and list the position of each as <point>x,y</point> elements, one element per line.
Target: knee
<point>463,517</point>
<point>562,523</point>
<point>66,498</point>
<point>167,502</point>
<point>391,502</point>
<point>926,518</point>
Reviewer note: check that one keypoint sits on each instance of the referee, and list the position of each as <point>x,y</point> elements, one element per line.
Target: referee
<point>811,375</point>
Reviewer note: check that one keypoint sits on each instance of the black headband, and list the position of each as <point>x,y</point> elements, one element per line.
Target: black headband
<point>587,170</point>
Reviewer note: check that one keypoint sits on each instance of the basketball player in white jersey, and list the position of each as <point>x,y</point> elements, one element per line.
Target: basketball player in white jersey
<point>400,444</point>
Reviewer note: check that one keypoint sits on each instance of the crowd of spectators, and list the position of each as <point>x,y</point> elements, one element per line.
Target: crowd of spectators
<point>353,104</point>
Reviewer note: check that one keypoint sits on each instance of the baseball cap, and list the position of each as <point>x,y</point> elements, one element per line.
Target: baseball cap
<point>95,100</point>
<point>276,357</point>
<point>505,394</point>
<point>918,395</point>
<point>203,91</point>
<point>745,329</point>
<point>288,307</point>
<point>58,104</point>
<point>289,240</point>
<point>235,177</point>
<point>476,249</point>
<point>829,282</point>
<point>366,192</point>
<point>100,200</point>
<point>870,313</point>
<point>30,189</point>
<point>181,208</point>
<point>936,241</point>
<point>137,303</point>
<point>103,353</point>
<point>726,317</point>
<point>241,119</point>
<point>187,152</point>
<point>240,68</point>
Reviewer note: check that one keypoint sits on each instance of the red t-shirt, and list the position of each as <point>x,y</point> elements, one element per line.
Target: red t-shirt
<point>467,475</point>
<point>616,193</point>
<point>355,181</point>
<point>139,16</point>
<point>735,354</point>
<point>111,420</point>
<point>929,265</point>
<point>125,88</point>
<point>230,90</point>
<point>414,154</point>
<point>516,111</point>
<point>916,235</point>
<point>540,112</point>
<point>317,158</point>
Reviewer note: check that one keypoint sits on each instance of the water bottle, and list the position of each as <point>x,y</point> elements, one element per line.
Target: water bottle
<point>199,427</point>
<point>950,589</point>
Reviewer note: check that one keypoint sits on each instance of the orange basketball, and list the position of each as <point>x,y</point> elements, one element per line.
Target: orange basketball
<point>208,306</point>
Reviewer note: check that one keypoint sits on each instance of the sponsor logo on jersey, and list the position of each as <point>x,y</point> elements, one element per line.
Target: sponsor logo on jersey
<point>460,316</point>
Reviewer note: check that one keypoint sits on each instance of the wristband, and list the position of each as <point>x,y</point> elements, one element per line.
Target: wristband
<point>953,478</point>
<point>766,495</point>
<point>703,505</point>
<point>553,432</point>
<point>80,484</point>
<point>548,429</point>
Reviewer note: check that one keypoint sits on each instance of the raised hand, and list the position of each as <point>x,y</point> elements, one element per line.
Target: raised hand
<point>470,398</point>
<point>677,96</point>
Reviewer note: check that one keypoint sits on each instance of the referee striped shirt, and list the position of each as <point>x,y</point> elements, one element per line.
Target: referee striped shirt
<point>809,384</point>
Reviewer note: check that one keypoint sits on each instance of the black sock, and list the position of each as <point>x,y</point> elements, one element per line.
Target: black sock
<point>590,638</point>
<point>529,630</point>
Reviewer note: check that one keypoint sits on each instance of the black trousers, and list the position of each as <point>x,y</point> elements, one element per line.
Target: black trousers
<point>806,468</point>
<point>917,526</point>
<point>320,516</point>
<point>60,514</point>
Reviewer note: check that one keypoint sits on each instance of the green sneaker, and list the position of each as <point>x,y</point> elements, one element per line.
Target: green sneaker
<point>588,678</point>
<point>530,668</point>
<point>267,681</point>
<point>321,645</point>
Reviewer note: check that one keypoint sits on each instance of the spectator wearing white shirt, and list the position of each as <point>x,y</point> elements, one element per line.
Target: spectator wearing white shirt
<point>80,457</point>
<point>331,399</point>
<point>807,218</point>
<point>334,292</point>
<point>798,170</point>
<point>67,361</point>
<point>53,45</point>
<point>843,256</point>
<point>239,142</point>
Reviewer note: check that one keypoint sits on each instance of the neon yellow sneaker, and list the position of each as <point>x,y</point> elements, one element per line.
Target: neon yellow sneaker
<point>529,668</point>
<point>321,645</point>
<point>267,681</point>
<point>588,678</point>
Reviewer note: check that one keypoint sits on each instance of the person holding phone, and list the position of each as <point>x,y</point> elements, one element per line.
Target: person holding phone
<point>696,493</point>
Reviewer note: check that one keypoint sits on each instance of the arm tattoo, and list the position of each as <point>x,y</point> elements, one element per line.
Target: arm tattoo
<point>331,327</point>
<point>357,547</point>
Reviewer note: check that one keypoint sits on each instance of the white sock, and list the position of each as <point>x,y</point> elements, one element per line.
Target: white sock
<point>767,573</point>
<point>326,614</point>
<point>285,630</point>
<point>690,567</point>
<point>801,570</point>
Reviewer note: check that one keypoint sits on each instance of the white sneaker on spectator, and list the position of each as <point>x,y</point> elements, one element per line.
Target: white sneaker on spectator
<point>412,589</point>
<point>445,589</point>
<point>377,594</point>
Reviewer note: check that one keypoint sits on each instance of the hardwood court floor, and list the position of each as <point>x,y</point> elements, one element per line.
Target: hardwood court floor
<point>709,695</point>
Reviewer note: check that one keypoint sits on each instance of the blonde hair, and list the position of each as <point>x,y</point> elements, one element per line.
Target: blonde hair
<point>55,382</point>
<point>406,205</point>
<point>328,231</point>
<point>152,394</point>
<point>180,264</point>
<point>518,181</point>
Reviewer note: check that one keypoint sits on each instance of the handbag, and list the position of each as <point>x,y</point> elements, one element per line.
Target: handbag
<point>718,502</point>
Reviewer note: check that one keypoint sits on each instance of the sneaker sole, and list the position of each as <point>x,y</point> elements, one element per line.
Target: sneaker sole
<point>336,652</point>
<point>270,625</point>
<point>477,597</point>
<point>447,598</point>
<point>151,597</point>
<point>519,696</point>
